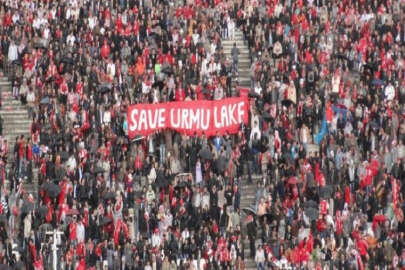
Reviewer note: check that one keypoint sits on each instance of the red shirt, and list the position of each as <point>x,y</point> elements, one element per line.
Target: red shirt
<point>180,94</point>
<point>105,50</point>
<point>21,149</point>
<point>29,152</point>
<point>72,231</point>
<point>7,19</point>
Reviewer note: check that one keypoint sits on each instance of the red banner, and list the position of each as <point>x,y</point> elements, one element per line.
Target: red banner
<point>189,117</point>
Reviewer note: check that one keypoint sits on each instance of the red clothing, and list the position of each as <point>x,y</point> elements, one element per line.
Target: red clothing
<point>321,225</point>
<point>38,264</point>
<point>7,19</point>
<point>33,252</point>
<point>49,214</point>
<point>105,50</point>
<point>81,265</point>
<point>180,94</point>
<point>138,163</point>
<point>29,152</point>
<point>72,231</point>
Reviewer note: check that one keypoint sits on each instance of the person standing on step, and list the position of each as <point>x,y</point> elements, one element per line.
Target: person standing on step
<point>231,29</point>
<point>235,58</point>
<point>1,125</point>
<point>251,228</point>
<point>224,27</point>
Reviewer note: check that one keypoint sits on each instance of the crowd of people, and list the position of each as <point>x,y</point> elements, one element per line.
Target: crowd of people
<point>324,144</point>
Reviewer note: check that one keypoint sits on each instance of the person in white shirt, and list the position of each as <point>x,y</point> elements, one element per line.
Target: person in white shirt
<point>185,234</point>
<point>71,163</point>
<point>16,17</point>
<point>213,47</point>
<point>218,93</point>
<point>195,37</point>
<point>107,117</point>
<point>111,69</point>
<point>258,88</point>
<point>156,240</point>
<point>70,40</point>
<point>145,88</point>
<point>204,69</point>
<point>205,201</point>
<point>46,32</point>
<point>231,29</point>
<point>92,22</point>
<point>36,24</point>
<point>80,232</point>
<point>30,101</point>
<point>12,51</point>
<point>260,258</point>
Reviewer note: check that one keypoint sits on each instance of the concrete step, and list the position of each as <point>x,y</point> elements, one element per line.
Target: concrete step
<point>10,100</point>
<point>16,122</point>
<point>5,83</point>
<point>243,76</point>
<point>248,191</point>
<point>243,59</point>
<point>239,43</point>
<point>5,111</point>
<point>242,50</point>
<point>21,130</point>
<point>14,107</point>
<point>11,137</point>
<point>15,116</point>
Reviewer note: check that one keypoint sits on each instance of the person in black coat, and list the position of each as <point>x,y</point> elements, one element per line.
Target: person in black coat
<point>223,220</point>
<point>228,195</point>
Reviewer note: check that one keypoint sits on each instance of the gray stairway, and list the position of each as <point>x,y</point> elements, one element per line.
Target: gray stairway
<point>243,78</point>
<point>15,123</point>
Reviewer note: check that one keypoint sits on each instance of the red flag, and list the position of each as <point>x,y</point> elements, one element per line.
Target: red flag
<point>362,246</point>
<point>348,195</point>
<point>63,192</point>
<point>378,219</point>
<point>329,112</point>
<point>309,245</point>
<point>319,177</point>
<point>117,231</point>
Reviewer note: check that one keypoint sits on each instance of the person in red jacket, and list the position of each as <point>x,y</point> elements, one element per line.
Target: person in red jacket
<point>105,50</point>
<point>72,230</point>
